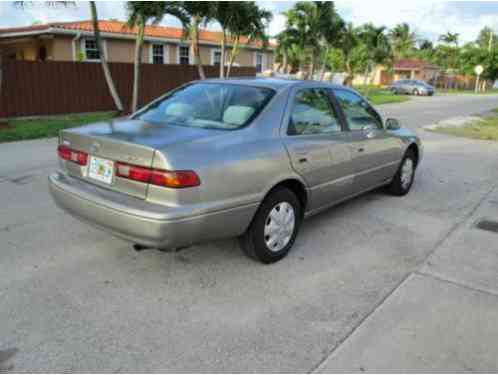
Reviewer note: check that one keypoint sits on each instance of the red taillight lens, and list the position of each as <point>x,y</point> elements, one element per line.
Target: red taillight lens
<point>78,157</point>
<point>64,152</point>
<point>172,179</point>
<point>133,172</point>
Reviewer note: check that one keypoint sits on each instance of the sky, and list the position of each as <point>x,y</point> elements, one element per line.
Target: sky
<point>428,19</point>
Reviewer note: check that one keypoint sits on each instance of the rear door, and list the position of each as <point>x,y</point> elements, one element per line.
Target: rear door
<point>376,153</point>
<point>318,146</point>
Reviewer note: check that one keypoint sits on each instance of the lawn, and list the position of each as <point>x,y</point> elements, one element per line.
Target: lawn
<point>378,96</point>
<point>18,130</point>
<point>486,128</point>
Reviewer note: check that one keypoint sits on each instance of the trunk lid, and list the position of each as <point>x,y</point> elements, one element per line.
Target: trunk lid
<point>128,141</point>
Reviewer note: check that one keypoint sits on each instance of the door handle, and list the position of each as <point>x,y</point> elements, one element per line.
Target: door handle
<point>370,134</point>
<point>361,149</point>
<point>303,160</point>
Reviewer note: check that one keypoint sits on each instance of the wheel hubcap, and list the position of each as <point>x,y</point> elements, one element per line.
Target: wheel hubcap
<point>279,226</point>
<point>406,173</point>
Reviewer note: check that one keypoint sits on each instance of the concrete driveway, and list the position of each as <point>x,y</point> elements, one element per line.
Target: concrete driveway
<point>376,283</point>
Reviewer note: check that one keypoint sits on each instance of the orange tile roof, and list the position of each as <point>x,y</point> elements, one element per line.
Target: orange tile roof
<point>118,27</point>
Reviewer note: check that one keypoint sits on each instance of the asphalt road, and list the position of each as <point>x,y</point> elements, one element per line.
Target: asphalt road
<point>74,299</point>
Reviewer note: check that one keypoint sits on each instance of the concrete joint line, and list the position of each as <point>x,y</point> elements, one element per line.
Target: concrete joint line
<point>441,278</point>
<point>391,292</point>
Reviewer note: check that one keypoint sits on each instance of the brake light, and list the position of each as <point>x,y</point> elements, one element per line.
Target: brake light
<point>78,157</point>
<point>172,179</point>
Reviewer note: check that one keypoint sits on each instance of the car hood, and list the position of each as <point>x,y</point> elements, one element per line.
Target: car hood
<point>156,136</point>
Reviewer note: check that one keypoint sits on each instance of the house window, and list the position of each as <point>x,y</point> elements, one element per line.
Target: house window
<point>216,58</point>
<point>184,55</point>
<point>91,51</point>
<point>259,62</point>
<point>158,54</point>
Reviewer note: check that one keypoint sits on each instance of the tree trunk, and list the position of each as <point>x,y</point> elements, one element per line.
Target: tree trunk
<point>233,55</point>
<point>367,73</point>
<point>285,63</point>
<point>324,65</point>
<point>222,62</point>
<point>312,67</point>
<point>103,61</point>
<point>194,35</point>
<point>138,62</point>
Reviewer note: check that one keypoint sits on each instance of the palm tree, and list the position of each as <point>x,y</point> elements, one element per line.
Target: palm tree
<point>286,41</point>
<point>449,38</point>
<point>450,51</point>
<point>487,38</point>
<point>303,21</point>
<point>103,59</point>
<point>251,23</point>
<point>198,12</point>
<point>425,44</point>
<point>139,14</point>
<point>331,27</point>
<point>316,27</point>
<point>348,42</point>
<point>227,14</point>
<point>377,47</point>
<point>402,40</point>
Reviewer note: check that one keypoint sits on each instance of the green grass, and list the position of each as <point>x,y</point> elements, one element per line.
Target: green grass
<point>46,127</point>
<point>378,96</point>
<point>486,128</point>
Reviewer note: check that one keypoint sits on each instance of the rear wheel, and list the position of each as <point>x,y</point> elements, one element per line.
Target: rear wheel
<point>274,228</point>
<point>403,179</point>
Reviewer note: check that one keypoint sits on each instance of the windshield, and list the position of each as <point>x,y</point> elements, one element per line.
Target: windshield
<point>208,105</point>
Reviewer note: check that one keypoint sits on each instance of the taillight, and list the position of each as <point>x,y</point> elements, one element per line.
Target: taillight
<point>78,157</point>
<point>172,179</point>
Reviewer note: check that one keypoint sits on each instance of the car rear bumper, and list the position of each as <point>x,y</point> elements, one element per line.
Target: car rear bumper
<point>143,222</point>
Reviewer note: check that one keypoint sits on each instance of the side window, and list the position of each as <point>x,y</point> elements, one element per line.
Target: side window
<point>359,114</point>
<point>312,113</point>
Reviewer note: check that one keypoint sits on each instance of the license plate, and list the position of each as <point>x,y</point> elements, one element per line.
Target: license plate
<point>101,169</point>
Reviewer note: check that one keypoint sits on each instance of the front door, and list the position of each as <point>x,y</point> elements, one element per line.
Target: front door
<point>319,147</point>
<point>376,153</point>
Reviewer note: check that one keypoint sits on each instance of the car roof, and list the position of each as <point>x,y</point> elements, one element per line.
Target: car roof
<point>272,83</point>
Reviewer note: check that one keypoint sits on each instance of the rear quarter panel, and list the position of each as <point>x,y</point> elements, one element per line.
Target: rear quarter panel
<point>236,168</point>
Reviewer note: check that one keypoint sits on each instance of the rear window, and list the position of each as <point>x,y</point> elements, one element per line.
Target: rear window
<point>209,105</point>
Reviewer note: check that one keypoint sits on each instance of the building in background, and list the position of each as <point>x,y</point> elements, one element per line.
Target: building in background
<point>401,69</point>
<point>73,41</point>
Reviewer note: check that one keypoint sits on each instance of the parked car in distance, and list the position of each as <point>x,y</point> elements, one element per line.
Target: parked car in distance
<point>241,157</point>
<point>412,87</point>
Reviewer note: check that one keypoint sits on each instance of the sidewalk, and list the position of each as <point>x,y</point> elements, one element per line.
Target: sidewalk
<point>443,317</point>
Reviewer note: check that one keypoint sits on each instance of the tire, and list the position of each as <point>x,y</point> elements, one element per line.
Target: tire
<point>400,185</point>
<point>257,242</point>
<point>415,92</point>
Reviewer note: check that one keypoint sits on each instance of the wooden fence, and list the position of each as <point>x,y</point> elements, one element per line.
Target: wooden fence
<point>49,88</point>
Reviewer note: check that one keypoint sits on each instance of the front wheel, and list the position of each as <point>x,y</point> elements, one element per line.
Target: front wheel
<point>403,179</point>
<point>274,228</point>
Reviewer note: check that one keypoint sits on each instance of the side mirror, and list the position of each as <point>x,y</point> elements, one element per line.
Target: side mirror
<point>392,124</point>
